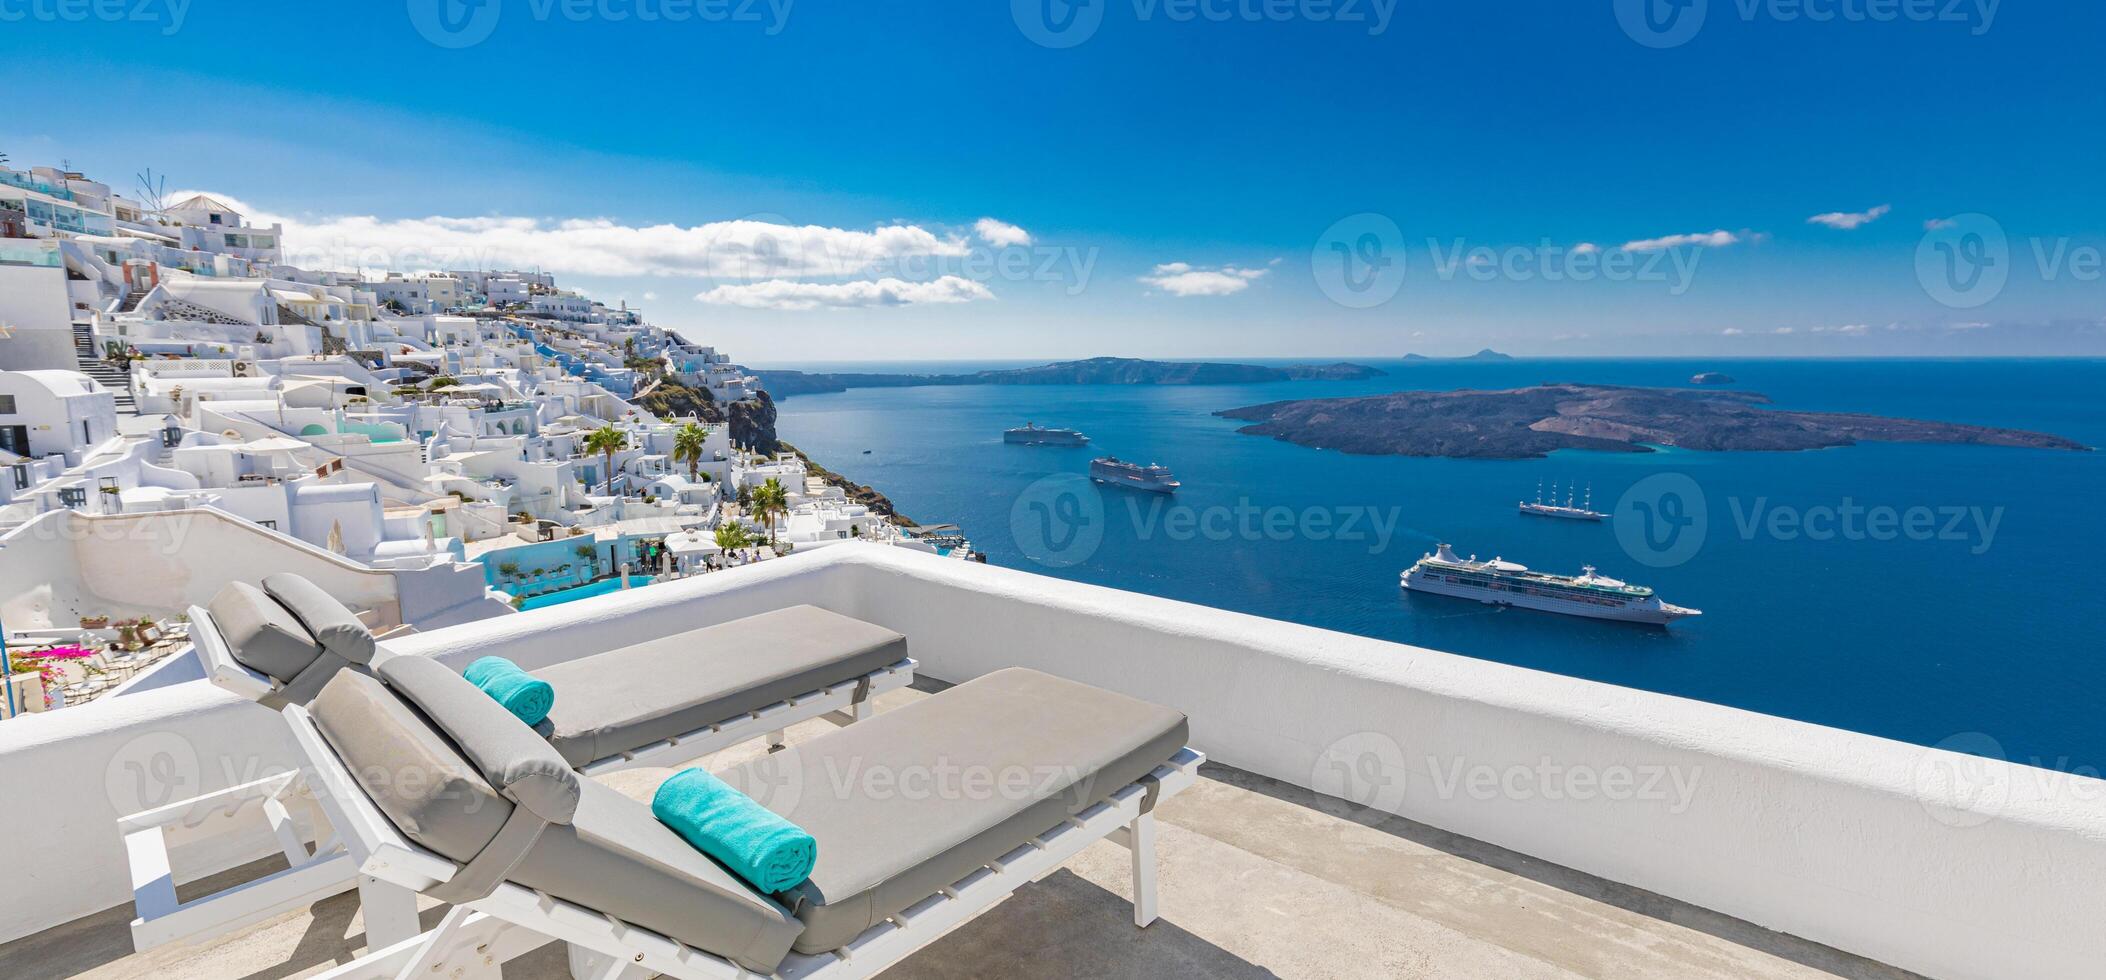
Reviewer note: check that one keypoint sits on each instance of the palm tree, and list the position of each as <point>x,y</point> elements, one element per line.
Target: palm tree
<point>732,537</point>
<point>769,502</point>
<point>687,447</point>
<point>607,440</point>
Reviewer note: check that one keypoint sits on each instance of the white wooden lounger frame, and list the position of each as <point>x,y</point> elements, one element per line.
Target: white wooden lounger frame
<point>475,940</point>
<point>151,835</point>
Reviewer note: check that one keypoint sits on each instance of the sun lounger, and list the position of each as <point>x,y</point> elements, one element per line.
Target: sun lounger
<point>437,789</point>
<point>655,703</point>
<point>658,703</point>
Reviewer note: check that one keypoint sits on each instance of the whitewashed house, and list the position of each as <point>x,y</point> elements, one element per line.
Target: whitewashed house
<point>62,413</point>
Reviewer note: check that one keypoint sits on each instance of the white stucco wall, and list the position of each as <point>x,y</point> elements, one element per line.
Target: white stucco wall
<point>1861,843</point>
<point>65,564</point>
<point>34,301</point>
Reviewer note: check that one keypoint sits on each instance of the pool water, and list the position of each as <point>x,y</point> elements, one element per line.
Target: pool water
<point>601,587</point>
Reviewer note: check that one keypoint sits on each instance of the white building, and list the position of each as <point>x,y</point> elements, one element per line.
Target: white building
<point>46,413</point>
<point>213,226</point>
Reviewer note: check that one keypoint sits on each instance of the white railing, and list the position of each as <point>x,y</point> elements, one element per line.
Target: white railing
<point>1915,857</point>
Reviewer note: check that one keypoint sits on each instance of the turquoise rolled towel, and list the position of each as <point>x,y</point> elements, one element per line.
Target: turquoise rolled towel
<point>527,697</point>
<point>771,853</point>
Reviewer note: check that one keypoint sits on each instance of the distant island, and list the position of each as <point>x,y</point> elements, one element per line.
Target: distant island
<point>1486,354</point>
<point>1525,423</point>
<point>1094,371</point>
<point>1711,378</point>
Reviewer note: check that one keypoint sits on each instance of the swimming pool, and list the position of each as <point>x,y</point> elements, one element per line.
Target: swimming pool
<point>601,587</point>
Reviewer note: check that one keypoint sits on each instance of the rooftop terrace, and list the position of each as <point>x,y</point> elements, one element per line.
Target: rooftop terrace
<point>1259,879</point>
<point>1703,841</point>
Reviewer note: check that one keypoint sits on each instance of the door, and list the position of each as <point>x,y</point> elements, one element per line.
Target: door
<point>15,439</point>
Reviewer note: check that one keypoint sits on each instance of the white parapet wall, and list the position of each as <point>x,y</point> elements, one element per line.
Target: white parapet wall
<point>1944,864</point>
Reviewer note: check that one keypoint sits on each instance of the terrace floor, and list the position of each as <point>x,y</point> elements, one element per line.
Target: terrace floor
<point>1258,879</point>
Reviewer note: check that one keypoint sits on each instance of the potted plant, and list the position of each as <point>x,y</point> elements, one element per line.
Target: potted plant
<point>99,621</point>
<point>508,569</point>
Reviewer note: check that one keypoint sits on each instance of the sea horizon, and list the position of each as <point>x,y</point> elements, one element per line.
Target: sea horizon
<point>1833,631</point>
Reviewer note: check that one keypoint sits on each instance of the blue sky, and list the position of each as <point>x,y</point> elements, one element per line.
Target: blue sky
<point>1194,177</point>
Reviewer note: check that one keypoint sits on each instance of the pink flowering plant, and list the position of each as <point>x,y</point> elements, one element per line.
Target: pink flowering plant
<point>49,665</point>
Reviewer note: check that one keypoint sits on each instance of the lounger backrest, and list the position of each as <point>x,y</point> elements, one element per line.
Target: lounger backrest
<point>511,757</point>
<point>267,638</point>
<point>416,776</point>
<point>608,853</point>
<point>334,626</point>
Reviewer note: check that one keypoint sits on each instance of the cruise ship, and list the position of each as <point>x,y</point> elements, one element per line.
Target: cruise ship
<point>1566,510</point>
<point>1033,434</point>
<point>1118,473</point>
<point>1503,583</point>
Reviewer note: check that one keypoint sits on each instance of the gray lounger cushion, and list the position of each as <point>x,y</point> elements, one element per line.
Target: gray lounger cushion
<point>1027,749</point>
<point>625,699</point>
<point>508,754</point>
<point>613,856</point>
<point>262,634</point>
<point>335,627</point>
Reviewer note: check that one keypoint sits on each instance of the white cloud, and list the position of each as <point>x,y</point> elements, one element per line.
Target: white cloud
<point>739,249</point>
<point>1786,331</point>
<point>1850,220</point>
<point>1585,248</point>
<point>1712,239</point>
<point>1732,332</point>
<point>1182,279</point>
<point>1001,234</point>
<point>1848,330</point>
<point>650,297</point>
<point>1935,224</point>
<point>783,294</point>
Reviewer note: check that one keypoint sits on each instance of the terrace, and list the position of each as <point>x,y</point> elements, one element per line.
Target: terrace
<point>1344,829</point>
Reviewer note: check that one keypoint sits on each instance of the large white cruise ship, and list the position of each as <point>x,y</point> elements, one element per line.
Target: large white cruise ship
<point>1119,473</point>
<point>1504,583</point>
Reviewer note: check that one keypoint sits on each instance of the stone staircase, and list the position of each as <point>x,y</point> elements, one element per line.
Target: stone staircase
<point>116,377</point>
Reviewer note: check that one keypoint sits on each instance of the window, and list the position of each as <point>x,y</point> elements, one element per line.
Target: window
<point>268,525</point>
<point>7,404</point>
<point>21,471</point>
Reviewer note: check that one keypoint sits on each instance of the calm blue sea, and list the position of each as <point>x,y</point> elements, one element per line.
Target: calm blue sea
<point>1975,610</point>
